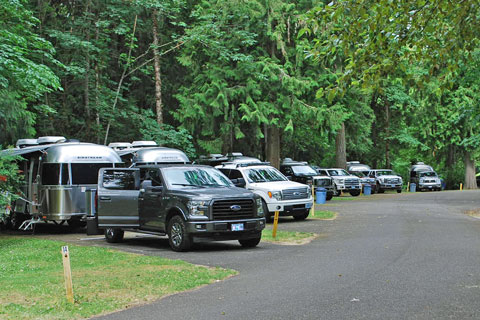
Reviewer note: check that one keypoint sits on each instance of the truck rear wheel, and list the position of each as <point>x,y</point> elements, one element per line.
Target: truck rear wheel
<point>114,235</point>
<point>178,238</point>
<point>250,243</point>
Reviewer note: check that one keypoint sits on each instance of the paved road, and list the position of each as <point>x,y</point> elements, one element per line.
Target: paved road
<point>408,256</point>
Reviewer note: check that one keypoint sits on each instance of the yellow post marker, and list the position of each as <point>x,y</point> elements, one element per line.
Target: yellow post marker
<point>408,187</point>
<point>461,186</point>
<point>312,210</point>
<point>275,224</point>
<point>67,273</point>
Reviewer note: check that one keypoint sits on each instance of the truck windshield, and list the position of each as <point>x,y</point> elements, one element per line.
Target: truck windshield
<point>428,174</point>
<point>195,177</point>
<point>338,172</point>
<point>306,170</point>
<point>267,174</point>
<point>384,173</point>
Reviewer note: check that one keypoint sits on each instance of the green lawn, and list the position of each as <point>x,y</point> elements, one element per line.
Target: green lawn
<point>323,215</point>
<point>287,237</point>
<point>32,284</point>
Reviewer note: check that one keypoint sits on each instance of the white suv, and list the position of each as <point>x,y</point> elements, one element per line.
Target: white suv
<point>277,192</point>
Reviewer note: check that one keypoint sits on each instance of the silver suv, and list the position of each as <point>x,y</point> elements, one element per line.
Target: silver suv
<point>344,181</point>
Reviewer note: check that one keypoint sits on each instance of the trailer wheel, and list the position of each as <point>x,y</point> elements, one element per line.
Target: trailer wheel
<point>178,238</point>
<point>114,235</point>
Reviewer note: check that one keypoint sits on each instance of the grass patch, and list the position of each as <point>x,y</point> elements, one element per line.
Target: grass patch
<point>344,198</point>
<point>287,237</point>
<point>323,215</point>
<point>32,284</point>
<point>473,213</point>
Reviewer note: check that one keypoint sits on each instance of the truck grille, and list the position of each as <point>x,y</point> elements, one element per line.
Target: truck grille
<point>323,182</point>
<point>292,194</point>
<point>392,180</point>
<point>222,209</point>
<point>429,181</point>
<point>351,182</point>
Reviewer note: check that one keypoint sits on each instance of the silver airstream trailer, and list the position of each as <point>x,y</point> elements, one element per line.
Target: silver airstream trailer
<point>57,177</point>
<point>153,155</point>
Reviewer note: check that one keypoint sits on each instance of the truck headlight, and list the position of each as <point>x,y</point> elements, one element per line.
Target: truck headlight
<point>339,182</point>
<point>197,208</point>
<point>260,210</point>
<point>277,195</point>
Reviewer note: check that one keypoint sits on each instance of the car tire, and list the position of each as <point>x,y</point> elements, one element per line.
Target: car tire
<point>355,193</point>
<point>250,243</point>
<point>399,191</point>
<point>379,190</point>
<point>302,216</point>
<point>113,235</point>
<point>329,196</point>
<point>268,215</point>
<point>178,238</point>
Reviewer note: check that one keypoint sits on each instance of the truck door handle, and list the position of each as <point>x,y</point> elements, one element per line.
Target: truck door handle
<point>103,198</point>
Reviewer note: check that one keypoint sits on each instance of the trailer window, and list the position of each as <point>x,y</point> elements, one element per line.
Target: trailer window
<point>87,173</point>
<point>55,174</point>
<point>119,180</point>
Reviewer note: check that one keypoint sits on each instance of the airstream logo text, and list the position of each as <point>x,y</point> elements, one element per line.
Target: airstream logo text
<point>89,157</point>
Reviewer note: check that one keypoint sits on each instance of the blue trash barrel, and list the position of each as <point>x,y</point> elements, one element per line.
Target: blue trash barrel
<point>413,187</point>
<point>320,195</point>
<point>367,190</point>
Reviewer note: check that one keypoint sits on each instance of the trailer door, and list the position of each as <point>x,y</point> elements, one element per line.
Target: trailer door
<point>118,191</point>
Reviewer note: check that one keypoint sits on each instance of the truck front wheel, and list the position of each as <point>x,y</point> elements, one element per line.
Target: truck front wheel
<point>250,243</point>
<point>355,193</point>
<point>178,237</point>
<point>113,235</point>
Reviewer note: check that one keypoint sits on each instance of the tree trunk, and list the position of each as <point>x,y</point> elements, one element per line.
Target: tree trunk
<point>340,147</point>
<point>87,73</point>
<point>273,146</point>
<point>470,179</point>
<point>158,78</point>
<point>387,136</point>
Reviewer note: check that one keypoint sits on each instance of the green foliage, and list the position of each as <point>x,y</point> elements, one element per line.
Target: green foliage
<point>166,135</point>
<point>25,74</point>
<point>10,179</point>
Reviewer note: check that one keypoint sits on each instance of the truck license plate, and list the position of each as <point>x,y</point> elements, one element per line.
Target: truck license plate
<point>237,226</point>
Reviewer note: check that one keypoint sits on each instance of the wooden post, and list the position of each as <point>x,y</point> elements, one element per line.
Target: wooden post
<point>275,224</point>
<point>408,187</point>
<point>461,186</point>
<point>312,212</point>
<point>67,272</point>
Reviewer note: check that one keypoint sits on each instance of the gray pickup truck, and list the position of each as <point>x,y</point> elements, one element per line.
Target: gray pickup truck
<point>186,202</point>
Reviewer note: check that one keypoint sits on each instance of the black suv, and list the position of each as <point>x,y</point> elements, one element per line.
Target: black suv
<point>186,202</point>
<point>303,173</point>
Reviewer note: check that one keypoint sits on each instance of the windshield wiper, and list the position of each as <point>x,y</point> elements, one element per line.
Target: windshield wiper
<point>187,185</point>
<point>214,185</point>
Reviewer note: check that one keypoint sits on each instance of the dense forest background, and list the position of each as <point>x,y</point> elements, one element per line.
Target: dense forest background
<point>384,82</point>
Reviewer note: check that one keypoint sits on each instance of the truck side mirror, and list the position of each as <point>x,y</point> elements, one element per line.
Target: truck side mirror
<point>240,182</point>
<point>145,185</point>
